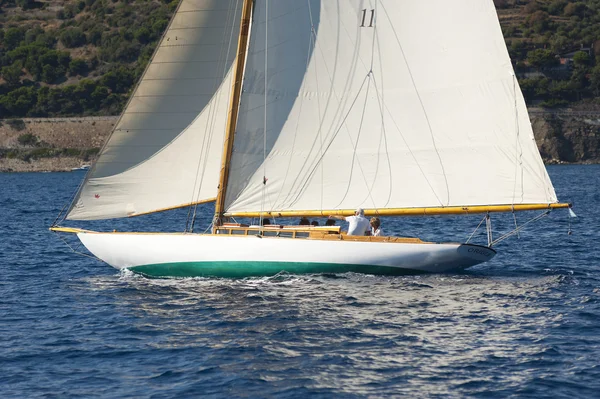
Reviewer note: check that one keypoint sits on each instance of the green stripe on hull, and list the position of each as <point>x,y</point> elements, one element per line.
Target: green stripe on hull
<point>257,269</point>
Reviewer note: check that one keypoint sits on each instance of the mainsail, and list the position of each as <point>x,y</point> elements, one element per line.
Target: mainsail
<point>381,104</point>
<point>165,150</point>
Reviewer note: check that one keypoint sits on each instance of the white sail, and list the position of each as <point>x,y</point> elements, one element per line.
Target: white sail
<point>165,151</point>
<point>381,104</point>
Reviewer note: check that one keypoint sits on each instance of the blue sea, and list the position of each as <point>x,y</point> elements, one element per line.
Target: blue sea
<point>524,325</point>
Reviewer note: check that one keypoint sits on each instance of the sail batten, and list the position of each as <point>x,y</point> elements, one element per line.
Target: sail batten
<point>382,105</point>
<point>165,149</point>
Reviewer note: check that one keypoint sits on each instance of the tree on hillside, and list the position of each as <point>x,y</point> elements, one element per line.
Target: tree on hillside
<point>501,4</point>
<point>531,7</point>
<point>575,9</point>
<point>73,37</point>
<point>25,4</point>
<point>581,58</point>
<point>12,75</point>
<point>595,80</point>
<point>19,102</point>
<point>541,58</point>
<point>12,37</point>
<point>539,21</point>
<point>557,7</point>
<point>77,67</point>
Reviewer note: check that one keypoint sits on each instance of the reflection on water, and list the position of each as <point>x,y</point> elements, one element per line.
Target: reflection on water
<point>351,333</point>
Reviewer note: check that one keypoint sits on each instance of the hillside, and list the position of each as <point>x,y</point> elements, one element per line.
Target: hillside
<point>67,58</point>
<point>81,58</point>
<point>555,48</point>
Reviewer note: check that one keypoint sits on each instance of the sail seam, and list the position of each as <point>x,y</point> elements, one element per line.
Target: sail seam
<point>88,175</point>
<point>342,125</point>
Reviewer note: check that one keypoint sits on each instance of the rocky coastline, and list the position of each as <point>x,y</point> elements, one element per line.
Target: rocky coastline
<point>61,144</point>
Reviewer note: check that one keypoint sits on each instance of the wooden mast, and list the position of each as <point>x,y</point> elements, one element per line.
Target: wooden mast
<point>233,110</point>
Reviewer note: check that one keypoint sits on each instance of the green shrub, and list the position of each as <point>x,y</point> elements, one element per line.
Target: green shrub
<point>557,7</point>
<point>17,124</point>
<point>541,58</point>
<point>89,153</point>
<point>28,139</point>
<point>25,4</point>
<point>77,67</point>
<point>12,74</point>
<point>13,37</point>
<point>581,58</point>
<point>18,102</point>
<point>71,152</point>
<point>73,37</point>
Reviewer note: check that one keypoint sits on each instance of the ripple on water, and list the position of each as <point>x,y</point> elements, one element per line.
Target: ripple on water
<point>525,325</point>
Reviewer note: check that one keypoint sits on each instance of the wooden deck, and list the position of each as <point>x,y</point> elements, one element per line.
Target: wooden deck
<point>307,232</point>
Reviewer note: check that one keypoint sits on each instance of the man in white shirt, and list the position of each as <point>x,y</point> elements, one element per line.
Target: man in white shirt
<point>358,224</point>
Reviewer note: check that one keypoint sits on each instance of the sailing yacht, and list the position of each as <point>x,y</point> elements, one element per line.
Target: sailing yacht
<point>290,108</point>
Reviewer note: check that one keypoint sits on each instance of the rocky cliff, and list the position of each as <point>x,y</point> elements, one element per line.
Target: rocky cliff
<point>567,137</point>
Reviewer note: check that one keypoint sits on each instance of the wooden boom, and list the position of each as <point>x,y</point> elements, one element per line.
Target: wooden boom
<point>448,210</point>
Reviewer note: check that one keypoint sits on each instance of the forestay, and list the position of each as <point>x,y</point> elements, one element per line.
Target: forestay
<point>165,150</point>
<point>381,104</point>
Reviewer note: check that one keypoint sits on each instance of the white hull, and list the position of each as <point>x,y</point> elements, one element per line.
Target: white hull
<point>180,255</point>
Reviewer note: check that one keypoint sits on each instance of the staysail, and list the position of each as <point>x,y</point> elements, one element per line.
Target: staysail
<point>165,150</point>
<point>381,104</point>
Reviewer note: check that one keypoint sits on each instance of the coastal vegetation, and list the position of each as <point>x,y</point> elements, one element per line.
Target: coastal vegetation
<point>83,57</point>
<point>67,58</point>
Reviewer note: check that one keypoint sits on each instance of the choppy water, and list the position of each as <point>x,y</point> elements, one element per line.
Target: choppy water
<point>527,324</point>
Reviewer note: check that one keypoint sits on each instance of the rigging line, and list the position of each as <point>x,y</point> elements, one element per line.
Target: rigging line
<point>76,250</point>
<point>366,181</point>
<point>69,202</point>
<point>517,230</point>
<point>340,108</point>
<point>413,155</point>
<point>476,228</point>
<point>372,77</point>
<point>356,57</point>
<point>211,120</point>
<point>422,105</point>
<point>516,225</point>
<point>518,148</point>
<point>310,48</point>
<point>362,118</point>
<point>345,100</point>
<point>380,103</point>
<point>342,124</point>
<point>383,137</point>
<point>208,132</point>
